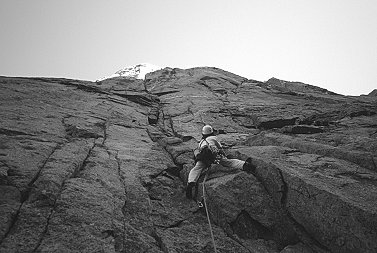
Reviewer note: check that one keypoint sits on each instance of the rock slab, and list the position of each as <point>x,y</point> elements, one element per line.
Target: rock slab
<point>102,167</point>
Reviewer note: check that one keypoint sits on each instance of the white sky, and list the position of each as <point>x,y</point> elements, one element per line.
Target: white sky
<point>327,43</point>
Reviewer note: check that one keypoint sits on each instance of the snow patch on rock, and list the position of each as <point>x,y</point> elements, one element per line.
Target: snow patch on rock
<point>137,71</point>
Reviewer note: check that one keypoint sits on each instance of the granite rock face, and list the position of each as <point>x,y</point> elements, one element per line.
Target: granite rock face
<point>373,93</point>
<point>102,167</point>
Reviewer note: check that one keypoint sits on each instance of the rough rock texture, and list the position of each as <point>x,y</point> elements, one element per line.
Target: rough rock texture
<point>373,93</point>
<point>102,167</point>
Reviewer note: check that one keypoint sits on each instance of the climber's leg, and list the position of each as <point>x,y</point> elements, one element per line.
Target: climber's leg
<point>233,163</point>
<point>196,171</point>
<point>193,177</point>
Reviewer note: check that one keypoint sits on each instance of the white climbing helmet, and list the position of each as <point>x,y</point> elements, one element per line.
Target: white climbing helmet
<point>207,129</point>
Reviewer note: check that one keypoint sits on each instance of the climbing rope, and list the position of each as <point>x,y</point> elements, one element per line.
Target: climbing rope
<point>207,213</point>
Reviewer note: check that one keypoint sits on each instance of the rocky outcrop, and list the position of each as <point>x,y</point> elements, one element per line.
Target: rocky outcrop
<point>102,167</point>
<point>373,93</point>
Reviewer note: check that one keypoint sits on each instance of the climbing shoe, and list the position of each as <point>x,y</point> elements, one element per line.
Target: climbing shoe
<point>189,189</point>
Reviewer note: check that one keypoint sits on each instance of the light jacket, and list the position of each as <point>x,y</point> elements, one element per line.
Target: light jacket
<point>212,140</point>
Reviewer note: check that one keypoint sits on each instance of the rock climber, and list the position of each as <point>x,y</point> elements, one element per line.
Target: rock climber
<point>209,138</point>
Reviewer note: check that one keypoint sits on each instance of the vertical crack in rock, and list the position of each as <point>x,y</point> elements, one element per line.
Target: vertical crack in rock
<point>82,165</point>
<point>189,109</point>
<point>79,168</point>
<point>284,190</point>
<point>105,126</point>
<point>152,232</point>
<point>25,196</point>
<point>104,133</point>
<point>48,219</point>
<point>163,119</point>
<point>159,241</point>
<point>300,228</point>
<point>374,163</point>
<point>172,127</point>
<point>123,243</point>
<point>304,235</point>
<point>121,179</point>
<point>153,114</point>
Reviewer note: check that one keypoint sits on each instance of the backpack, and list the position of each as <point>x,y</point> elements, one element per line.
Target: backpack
<point>207,153</point>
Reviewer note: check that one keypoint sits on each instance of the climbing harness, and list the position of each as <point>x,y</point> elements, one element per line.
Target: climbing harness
<point>200,204</point>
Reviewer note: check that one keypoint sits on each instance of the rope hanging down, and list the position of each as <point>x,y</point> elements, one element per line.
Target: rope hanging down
<point>207,213</point>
